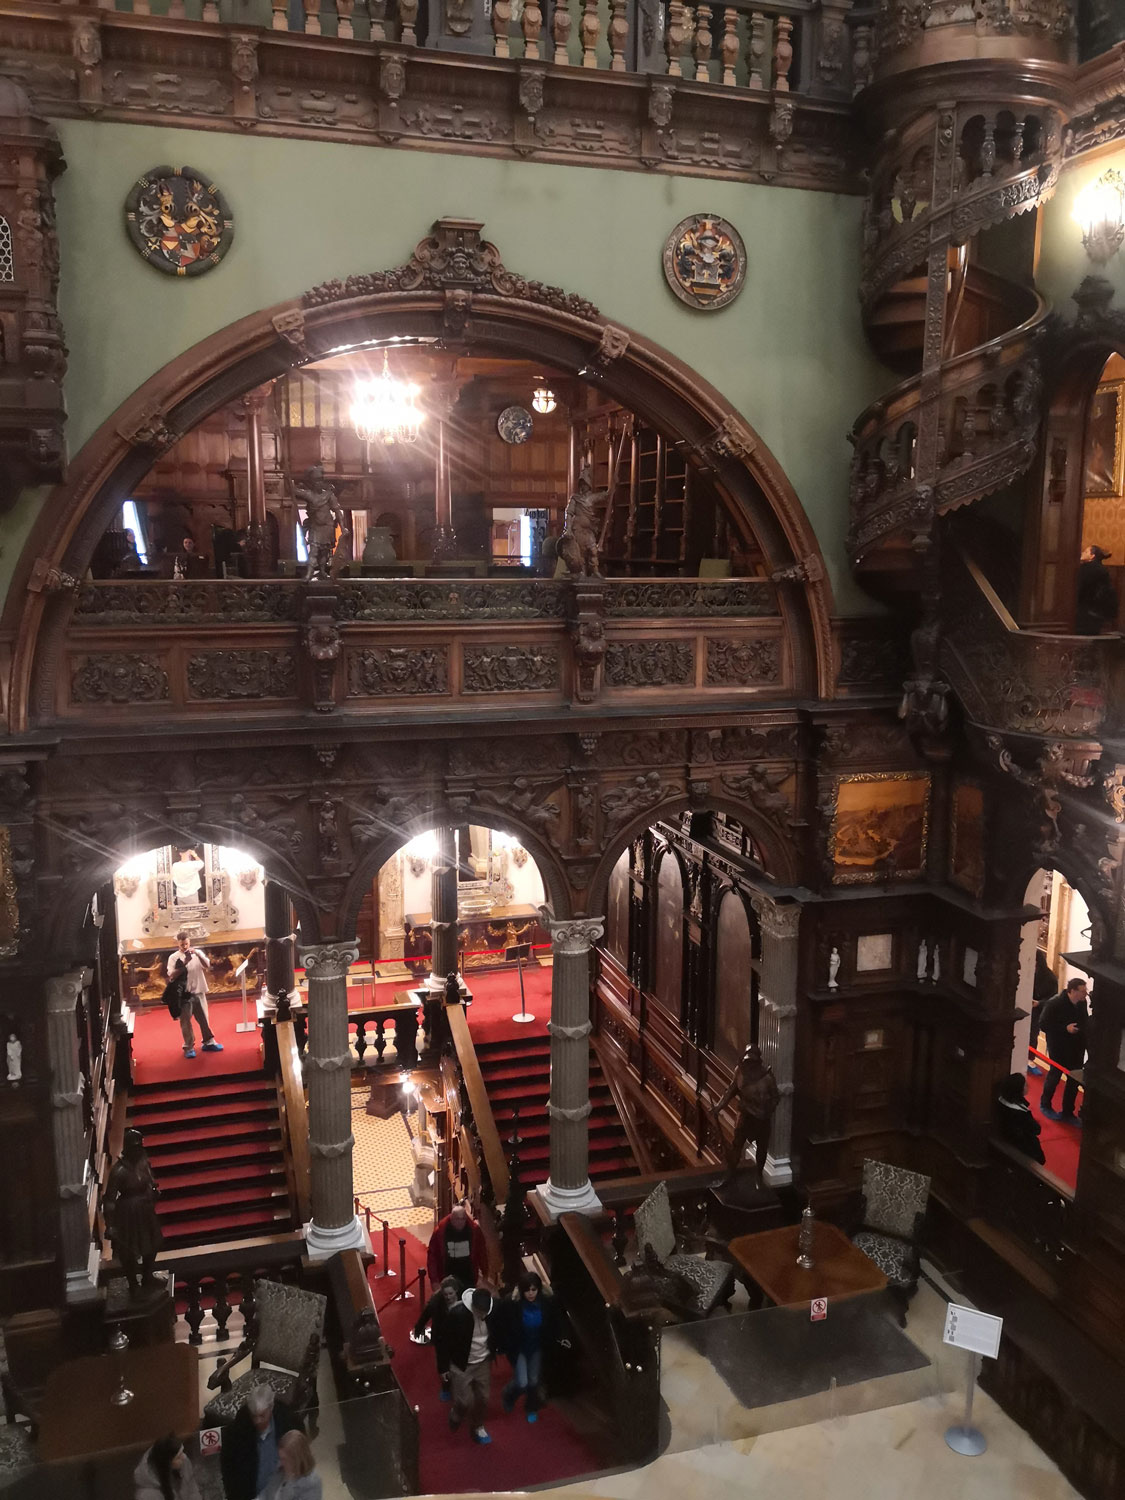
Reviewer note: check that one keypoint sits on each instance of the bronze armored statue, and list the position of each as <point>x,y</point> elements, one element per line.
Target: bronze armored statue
<point>758,1095</point>
<point>578,545</point>
<point>323,514</point>
<point>129,1210</point>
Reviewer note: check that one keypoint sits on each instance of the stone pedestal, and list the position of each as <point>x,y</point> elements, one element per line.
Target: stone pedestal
<point>443,904</point>
<point>78,1252</point>
<point>568,1188</point>
<point>335,1225</point>
<point>777,1025</point>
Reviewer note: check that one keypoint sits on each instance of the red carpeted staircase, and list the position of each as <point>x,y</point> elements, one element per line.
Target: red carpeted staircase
<point>517,1071</point>
<point>215,1144</point>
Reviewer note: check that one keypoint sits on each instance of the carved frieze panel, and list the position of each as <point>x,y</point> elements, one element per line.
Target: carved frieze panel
<point>649,663</point>
<point>640,598</point>
<point>649,747</point>
<point>510,669</point>
<point>621,804</point>
<point>118,677</point>
<point>505,756</point>
<point>425,600</point>
<point>242,674</point>
<point>202,602</point>
<point>740,742</point>
<point>742,663</point>
<point>398,671</point>
<point>876,659</point>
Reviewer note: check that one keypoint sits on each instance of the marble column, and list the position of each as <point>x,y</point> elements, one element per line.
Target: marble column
<point>279,940</point>
<point>777,1024</point>
<point>443,911</point>
<point>79,1253</point>
<point>391,936</point>
<point>335,1225</point>
<point>568,1189</point>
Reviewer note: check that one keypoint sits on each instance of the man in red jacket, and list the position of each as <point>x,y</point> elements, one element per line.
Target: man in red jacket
<point>457,1249</point>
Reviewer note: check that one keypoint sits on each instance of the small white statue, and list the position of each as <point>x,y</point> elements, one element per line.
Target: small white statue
<point>15,1059</point>
<point>923,961</point>
<point>833,969</point>
<point>936,975</point>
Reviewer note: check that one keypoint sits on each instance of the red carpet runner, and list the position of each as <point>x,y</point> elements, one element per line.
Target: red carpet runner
<point>158,1045</point>
<point>1060,1141</point>
<point>520,1454</point>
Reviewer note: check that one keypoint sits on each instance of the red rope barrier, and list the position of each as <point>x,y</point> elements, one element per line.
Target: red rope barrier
<point>1066,1072</point>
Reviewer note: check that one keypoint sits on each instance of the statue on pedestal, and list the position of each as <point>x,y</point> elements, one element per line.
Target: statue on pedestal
<point>15,1059</point>
<point>323,514</point>
<point>578,545</point>
<point>129,1210</point>
<point>758,1096</point>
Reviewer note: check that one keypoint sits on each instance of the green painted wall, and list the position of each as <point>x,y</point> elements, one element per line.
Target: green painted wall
<point>1063,261</point>
<point>789,353</point>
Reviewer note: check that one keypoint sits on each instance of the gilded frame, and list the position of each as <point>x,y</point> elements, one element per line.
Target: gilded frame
<point>9,906</point>
<point>859,871</point>
<point>1111,478</point>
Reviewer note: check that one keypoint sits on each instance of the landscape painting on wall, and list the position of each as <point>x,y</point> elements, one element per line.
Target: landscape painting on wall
<point>879,827</point>
<point>966,846</point>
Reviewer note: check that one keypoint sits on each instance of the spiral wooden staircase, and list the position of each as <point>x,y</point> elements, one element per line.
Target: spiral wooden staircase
<point>953,164</point>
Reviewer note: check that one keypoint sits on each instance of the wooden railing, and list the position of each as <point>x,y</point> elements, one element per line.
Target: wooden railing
<point>1029,1203</point>
<point>220,1278</point>
<point>295,1117</point>
<point>492,1151</point>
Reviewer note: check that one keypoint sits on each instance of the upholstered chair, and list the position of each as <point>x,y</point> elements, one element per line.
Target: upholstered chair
<point>284,1349</point>
<point>712,1281</point>
<point>891,1215</point>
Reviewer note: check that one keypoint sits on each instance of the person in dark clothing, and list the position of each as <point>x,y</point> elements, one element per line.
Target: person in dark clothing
<point>436,1314</point>
<point>457,1249</point>
<point>1064,1021</point>
<point>1042,988</point>
<point>1097,597</point>
<point>472,1348</point>
<point>250,1456</point>
<point>527,1332</point>
<point>1014,1120</point>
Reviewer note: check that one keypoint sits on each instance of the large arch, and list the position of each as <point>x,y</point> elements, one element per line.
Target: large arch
<point>454,291</point>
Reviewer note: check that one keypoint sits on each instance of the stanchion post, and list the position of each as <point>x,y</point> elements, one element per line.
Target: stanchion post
<point>386,1271</point>
<point>421,1284</point>
<point>404,1292</point>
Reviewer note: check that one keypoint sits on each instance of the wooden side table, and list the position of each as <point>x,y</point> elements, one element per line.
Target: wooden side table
<point>79,1420</point>
<point>840,1269</point>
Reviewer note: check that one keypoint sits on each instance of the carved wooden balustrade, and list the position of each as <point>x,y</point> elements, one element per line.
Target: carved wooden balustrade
<point>161,649</point>
<point>1023,681</point>
<point>987,420</point>
<point>758,89</point>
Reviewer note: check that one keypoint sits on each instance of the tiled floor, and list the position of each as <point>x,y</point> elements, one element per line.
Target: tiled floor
<point>383,1167</point>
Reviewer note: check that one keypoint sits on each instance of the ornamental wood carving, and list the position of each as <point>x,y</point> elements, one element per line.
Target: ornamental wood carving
<point>398,671</point>
<point>119,677</point>
<point>649,663</point>
<point>742,663</point>
<point>510,669</point>
<point>242,674</point>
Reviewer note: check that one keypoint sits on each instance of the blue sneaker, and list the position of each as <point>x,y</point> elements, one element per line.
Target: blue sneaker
<point>1070,1120</point>
<point>533,1416</point>
<point>212,1046</point>
<point>1051,1114</point>
<point>189,1051</point>
<point>446,1396</point>
<point>480,1436</point>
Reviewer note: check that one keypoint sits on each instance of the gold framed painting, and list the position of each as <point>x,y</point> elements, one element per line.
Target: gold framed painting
<point>1105,452</point>
<point>966,841</point>
<point>9,909</point>
<point>880,826</point>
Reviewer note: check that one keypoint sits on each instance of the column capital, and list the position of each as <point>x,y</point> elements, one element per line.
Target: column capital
<point>777,921</point>
<point>572,934</point>
<point>63,990</point>
<point>329,960</point>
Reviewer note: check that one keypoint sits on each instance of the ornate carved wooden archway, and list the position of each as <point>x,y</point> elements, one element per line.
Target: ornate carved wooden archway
<point>454,290</point>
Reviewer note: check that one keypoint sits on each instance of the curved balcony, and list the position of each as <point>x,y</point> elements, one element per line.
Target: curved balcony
<point>988,404</point>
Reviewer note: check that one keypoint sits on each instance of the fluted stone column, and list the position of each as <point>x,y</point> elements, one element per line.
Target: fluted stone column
<point>443,911</point>
<point>391,935</point>
<point>79,1253</point>
<point>335,1225</point>
<point>568,1189</point>
<point>279,943</point>
<point>777,1024</point>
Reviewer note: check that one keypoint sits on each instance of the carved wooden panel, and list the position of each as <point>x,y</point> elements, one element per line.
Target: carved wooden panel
<point>668,955</point>
<point>646,664</point>
<point>242,674</point>
<point>398,671</point>
<point>617,910</point>
<point>742,663</point>
<point>733,1019</point>
<point>510,669</point>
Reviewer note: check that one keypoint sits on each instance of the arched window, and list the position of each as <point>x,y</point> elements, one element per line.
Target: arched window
<point>617,911</point>
<point>668,955</point>
<point>7,260</point>
<point>734,980</point>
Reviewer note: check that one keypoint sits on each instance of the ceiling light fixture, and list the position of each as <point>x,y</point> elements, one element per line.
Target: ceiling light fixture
<point>385,410</point>
<point>544,400</point>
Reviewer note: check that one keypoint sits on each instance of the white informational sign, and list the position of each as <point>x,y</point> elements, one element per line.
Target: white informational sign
<point>818,1309</point>
<point>210,1441</point>
<point>978,1332</point>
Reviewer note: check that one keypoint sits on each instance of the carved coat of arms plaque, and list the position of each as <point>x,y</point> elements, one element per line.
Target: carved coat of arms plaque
<point>705,261</point>
<point>179,221</point>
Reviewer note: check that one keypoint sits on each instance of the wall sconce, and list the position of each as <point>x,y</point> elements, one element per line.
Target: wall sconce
<point>126,885</point>
<point>544,400</point>
<point>519,856</point>
<point>248,879</point>
<point>1099,210</point>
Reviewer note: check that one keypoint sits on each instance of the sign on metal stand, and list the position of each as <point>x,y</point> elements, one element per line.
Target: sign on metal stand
<point>978,1334</point>
<point>240,973</point>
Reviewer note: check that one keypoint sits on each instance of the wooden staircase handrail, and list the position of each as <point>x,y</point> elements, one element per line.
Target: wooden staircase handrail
<point>588,1246</point>
<point>296,1115</point>
<point>494,1158</point>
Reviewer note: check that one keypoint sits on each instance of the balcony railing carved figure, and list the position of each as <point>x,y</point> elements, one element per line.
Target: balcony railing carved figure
<point>952,175</point>
<point>908,23</point>
<point>988,420</point>
<point>1021,681</point>
<point>759,89</point>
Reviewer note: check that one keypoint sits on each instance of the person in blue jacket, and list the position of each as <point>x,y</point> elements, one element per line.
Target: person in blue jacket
<point>528,1328</point>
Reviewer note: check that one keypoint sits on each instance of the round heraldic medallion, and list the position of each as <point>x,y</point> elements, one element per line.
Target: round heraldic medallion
<point>514,424</point>
<point>705,261</point>
<point>179,221</point>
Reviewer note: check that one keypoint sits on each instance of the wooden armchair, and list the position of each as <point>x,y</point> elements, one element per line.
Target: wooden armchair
<point>711,1281</point>
<point>892,1211</point>
<point>284,1349</point>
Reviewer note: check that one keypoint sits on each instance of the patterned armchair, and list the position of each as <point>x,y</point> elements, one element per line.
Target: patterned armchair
<point>17,1452</point>
<point>284,1349</point>
<point>711,1281</point>
<point>893,1208</point>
